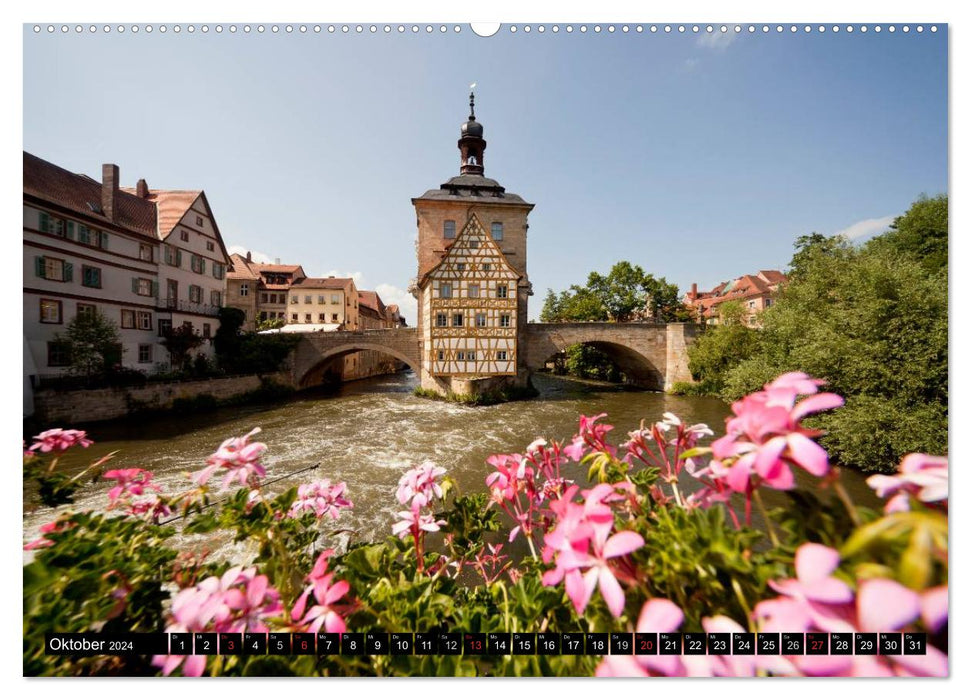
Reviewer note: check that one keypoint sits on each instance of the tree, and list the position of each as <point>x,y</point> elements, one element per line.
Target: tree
<point>871,320</point>
<point>268,324</point>
<point>920,233</point>
<point>721,347</point>
<point>180,342</point>
<point>92,344</point>
<point>226,341</point>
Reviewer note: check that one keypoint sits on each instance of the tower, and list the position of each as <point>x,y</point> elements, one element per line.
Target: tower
<point>472,285</point>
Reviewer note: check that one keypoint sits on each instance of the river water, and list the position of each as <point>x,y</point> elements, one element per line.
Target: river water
<point>367,433</point>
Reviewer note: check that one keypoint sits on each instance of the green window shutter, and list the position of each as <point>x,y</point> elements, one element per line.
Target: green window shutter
<point>40,267</point>
<point>134,284</point>
<point>202,266</point>
<point>45,222</point>
<point>155,289</point>
<point>104,240</point>
<point>178,257</point>
<point>68,272</point>
<point>69,230</point>
<point>84,234</point>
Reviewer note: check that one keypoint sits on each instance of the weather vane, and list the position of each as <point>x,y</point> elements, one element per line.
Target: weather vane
<point>472,101</point>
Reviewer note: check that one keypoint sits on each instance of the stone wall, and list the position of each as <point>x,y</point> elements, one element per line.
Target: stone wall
<point>68,408</point>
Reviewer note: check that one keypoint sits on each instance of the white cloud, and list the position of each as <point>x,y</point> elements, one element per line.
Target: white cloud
<point>866,228</point>
<point>717,39</point>
<point>257,255</point>
<point>406,303</point>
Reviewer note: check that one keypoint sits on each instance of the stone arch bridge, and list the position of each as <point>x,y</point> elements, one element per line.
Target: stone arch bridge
<point>651,355</point>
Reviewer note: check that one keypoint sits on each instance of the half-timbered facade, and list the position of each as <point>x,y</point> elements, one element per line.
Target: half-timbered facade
<point>470,313</point>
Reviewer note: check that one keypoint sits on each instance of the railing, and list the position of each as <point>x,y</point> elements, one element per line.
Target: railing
<point>190,307</point>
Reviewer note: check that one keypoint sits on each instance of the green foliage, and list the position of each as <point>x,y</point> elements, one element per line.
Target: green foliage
<point>921,233</point>
<point>720,348</point>
<point>180,342</point>
<point>226,340</point>
<point>485,398</point>
<point>92,343</point>
<point>258,354</point>
<point>626,293</point>
<point>590,363</point>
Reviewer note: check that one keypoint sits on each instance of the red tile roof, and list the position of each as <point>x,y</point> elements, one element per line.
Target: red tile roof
<point>239,269</point>
<point>82,194</point>
<point>371,300</point>
<point>744,287</point>
<point>325,283</point>
<point>172,207</point>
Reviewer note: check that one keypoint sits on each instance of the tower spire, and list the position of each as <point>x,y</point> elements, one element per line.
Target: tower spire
<point>471,143</point>
<point>472,103</point>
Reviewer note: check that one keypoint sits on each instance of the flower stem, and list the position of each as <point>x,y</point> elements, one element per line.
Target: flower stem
<point>844,497</point>
<point>765,517</point>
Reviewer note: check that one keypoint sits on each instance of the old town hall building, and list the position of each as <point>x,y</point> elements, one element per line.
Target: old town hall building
<point>472,284</point>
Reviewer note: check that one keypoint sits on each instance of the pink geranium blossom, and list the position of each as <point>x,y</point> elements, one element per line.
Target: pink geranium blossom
<point>922,476</point>
<point>58,440</point>
<point>129,482</point>
<point>326,594</point>
<point>240,458</point>
<point>320,498</point>
<point>422,479</point>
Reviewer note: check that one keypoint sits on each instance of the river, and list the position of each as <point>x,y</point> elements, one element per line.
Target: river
<point>368,432</point>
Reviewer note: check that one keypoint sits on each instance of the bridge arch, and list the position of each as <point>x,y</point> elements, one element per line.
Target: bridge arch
<point>637,369</point>
<point>327,356</point>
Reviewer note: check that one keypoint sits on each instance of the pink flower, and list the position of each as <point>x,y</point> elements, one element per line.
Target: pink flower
<point>320,498</point>
<point>582,545</point>
<point>41,542</point>
<point>240,458</point>
<point>326,593</point>
<point>921,476</point>
<point>414,520</point>
<point>58,440</point>
<point>129,482</point>
<point>238,601</point>
<point>422,479</point>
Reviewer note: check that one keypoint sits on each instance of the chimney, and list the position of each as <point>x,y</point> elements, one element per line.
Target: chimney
<point>330,277</point>
<point>694,290</point>
<point>249,257</point>
<point>109,189</point>
<point>141,188</point>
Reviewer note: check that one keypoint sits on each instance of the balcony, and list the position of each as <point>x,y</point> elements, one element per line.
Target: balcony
<point>190,307</point>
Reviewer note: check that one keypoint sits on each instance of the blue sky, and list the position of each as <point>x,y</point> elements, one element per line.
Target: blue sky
<point>699,158</point>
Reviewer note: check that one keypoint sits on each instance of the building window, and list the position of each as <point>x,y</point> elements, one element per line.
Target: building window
<point>335,298</point>
<point>51,224</point>
<point>321,318</point>
<point>502,291</point>
<point>53,269</point>
<point>307,318</point>
<point>441,320</point>
<point>274,300</point>
<point>84,234</point>
<point>768,303</point>
<point>460,355</point>
<point>751,304</point>
<point>321,299</point>
<point>195,294</point>
<point>294,300</point>
<point>307,299</point>
<point>473,291</point>
<point>264,298</point>
<point>244,290</point>
<point>142,286</point>
<point>198,264</point>
<point>173,256</point>
<point>218,270</point>
<point>480,320</point>
<point>206,330</point>
<point>504,321</point>
<point>441,355</point>
<point>474,243</point>
<point>486,267</point>
<point>86,309</point>
<point>333,318</point>
<point>50,311</point>
<point>58,354</point>
<point>145,320</point>
<point>460,267</point>
<point>164,326</point>
<point>470,355</point>
<point>501,355</point>
<point>144,354</point>
<point>185,236</point>
<point>145,252</point>
<point>497,230</point>
<point>91,276</point>
<point>445,290</point>
<point>216,298</point>
<point>198,221</point>
<point>456,320</point>
<point>449,229</point>
<point>294,317</point>
<point>263,315</point>
<point>127,318</point>
<point>210,246</point>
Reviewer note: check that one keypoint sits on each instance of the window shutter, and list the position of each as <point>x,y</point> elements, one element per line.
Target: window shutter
<point>202,266</point>
<point>178,257</point>
<point>134,284</point>
<point>69,230</point>
<point>40,266</point>
<point>68,272</point>
<point>45,222</point>
<point>104,240</point>
<point>155,289</point>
